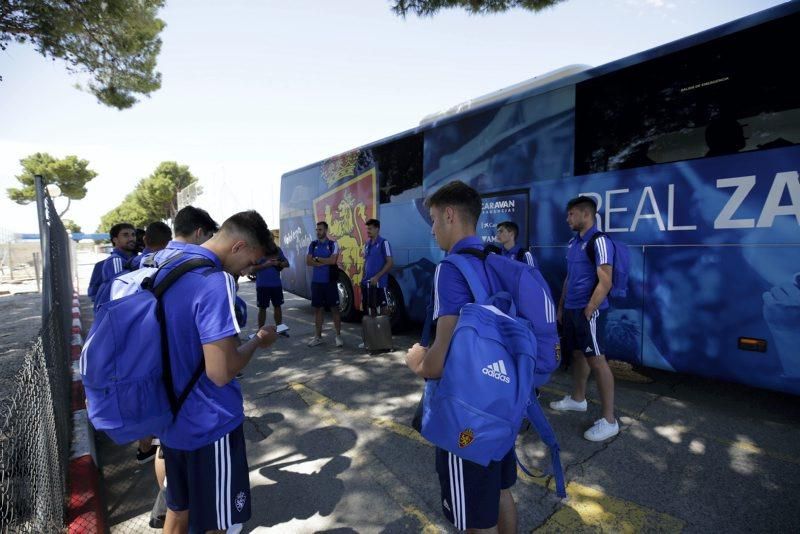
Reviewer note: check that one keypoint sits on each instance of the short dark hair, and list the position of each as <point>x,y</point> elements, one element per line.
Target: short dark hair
<point>157,234</point>
<point>460,196</point>
<point>511,226</point>
<point>583,203</point>
<point>373,222</point>
<point>323,224</point>
<point>117,228</point>
<point>252,226</point>
<point>189,219</point>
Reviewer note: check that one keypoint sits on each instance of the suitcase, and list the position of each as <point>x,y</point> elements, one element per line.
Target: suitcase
<point>377,332</point>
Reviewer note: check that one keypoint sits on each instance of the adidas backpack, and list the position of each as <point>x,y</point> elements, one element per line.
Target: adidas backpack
<point>504,344</point>
<point>622,264</point>
<point>125,364</point>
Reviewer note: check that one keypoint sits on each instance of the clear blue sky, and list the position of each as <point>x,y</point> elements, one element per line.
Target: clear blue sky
<point>254,89</point>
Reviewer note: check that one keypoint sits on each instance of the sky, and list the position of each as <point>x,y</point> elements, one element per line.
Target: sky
<point>253,89</point>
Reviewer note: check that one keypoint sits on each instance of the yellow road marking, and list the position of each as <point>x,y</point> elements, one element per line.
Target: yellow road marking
<point>743,445</point>
<point>586,510</point>
<point>591,510</point>
<point>313,398</point>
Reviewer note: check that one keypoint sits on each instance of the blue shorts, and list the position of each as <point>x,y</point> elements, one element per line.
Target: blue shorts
<point>470,492</point>
<point>373,297</point>
<point>324,295</point>
<point>265,295</point>
<point>582,335</point>
<point>212,482</point>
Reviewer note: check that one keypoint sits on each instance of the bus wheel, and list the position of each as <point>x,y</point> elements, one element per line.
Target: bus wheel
<point>347,305</point>
<point>396,305</point>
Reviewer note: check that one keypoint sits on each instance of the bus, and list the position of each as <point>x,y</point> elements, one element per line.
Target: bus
<point>691,152</point>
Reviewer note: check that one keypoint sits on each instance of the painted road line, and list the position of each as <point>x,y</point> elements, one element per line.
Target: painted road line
<point>381,474</point>
<point>314,398</point>
<point>591,510</point>
<point>742,444</point>
<point>585,509</point>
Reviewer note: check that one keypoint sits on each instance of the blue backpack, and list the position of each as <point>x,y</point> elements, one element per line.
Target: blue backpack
<point>103,291</point>
<point>125,364</point>
<point>622,264</point>
<point>505,343</point>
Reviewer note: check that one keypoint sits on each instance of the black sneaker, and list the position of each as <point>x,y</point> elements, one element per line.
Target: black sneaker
<point>146,456</point>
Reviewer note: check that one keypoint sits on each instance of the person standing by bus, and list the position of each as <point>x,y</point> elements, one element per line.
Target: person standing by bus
<point>323,256</point>
<point>583,298</point>
<point>269,288</point>
<point>377,264</point>
<point>507,234</point>
<point>473,496</point>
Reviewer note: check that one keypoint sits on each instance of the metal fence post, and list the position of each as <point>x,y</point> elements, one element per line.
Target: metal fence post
<point>44,240</point>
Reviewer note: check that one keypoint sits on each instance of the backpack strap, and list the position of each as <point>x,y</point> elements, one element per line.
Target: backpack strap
<point>590,245</point>
<point>539,421</point>
<point>175,402</point>
<point>462,264</point>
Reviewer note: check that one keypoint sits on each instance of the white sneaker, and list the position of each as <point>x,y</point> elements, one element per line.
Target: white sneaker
<point>601,430</point>
<point>567,404</point>
<point>362,346</point>
<point>316,340</point>
<point>339,341</point>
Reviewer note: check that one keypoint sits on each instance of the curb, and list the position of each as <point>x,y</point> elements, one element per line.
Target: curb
<point>85,512</point>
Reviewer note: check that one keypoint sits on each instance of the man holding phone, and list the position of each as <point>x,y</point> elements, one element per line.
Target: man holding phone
<point>269,288</point>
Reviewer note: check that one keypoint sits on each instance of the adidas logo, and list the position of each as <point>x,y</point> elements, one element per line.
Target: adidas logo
<point>588,350</point>
<point>497,370</point>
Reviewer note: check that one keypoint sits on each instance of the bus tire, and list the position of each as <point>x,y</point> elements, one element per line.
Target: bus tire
<point>347,304</point>
<point>397,305</point>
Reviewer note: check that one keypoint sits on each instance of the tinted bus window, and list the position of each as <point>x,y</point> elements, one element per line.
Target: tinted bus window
<point>399,165</point>
<point>734,94</point>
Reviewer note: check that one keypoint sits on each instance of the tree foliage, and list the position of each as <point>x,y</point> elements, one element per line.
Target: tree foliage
<point>70,174</point>
<point>72,226</point>
<point>155,198</point>
<point>115,42</point>
<point>428,8</point>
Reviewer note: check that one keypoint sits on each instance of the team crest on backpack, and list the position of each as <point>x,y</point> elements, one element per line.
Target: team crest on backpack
<point>465,438</point>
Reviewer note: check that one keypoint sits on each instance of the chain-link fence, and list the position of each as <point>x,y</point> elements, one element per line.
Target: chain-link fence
<point>35,418</point>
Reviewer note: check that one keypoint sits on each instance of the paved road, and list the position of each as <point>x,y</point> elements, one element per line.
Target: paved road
<point>330,450</point>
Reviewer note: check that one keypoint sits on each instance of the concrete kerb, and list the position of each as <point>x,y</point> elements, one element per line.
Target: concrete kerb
<point>85,512</point>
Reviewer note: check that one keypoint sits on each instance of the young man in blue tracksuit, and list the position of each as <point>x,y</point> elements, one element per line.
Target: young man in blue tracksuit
<point>204,448</point>
<point>472,496</point>
<point>323,256</point>
<point>580,308</point>
<point>123,237</point>
<point>507,234</point>
<point>377,264</point>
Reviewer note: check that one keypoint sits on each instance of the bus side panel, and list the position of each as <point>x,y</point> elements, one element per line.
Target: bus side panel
<point>700,300</point>
<point>406,226</point>
<point>296,234</point>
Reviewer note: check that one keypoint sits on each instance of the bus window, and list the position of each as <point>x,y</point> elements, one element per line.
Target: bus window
<point>734,94</point>
<point>399,165</point>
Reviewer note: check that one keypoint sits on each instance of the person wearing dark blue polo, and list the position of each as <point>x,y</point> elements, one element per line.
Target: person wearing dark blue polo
<point>192,226</point>
<point>269,288</point>
<point>583,299</point>
<point>123,237</point>
<point>323,256</point>
<point>377,264</point>
<point>204,448</point>
<point>507,234</point>
<point>156,237</point>
<point>480,494</point>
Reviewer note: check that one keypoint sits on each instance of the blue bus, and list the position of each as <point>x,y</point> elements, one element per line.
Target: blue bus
<point>691,151</point>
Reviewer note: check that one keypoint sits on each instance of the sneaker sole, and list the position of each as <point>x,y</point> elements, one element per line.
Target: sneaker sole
<point>561,409</point>
<point>600,439</point>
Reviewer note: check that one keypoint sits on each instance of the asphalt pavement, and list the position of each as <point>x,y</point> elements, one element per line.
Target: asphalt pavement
<point>330,449</point>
